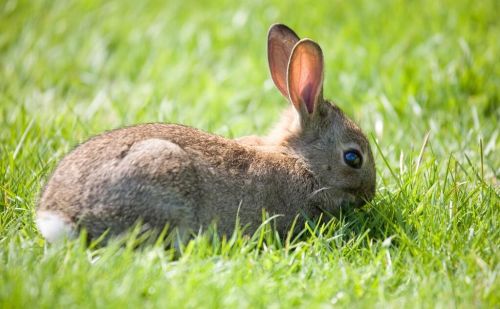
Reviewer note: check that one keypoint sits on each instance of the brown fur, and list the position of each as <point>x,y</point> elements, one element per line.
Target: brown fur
<point>186,178</point>
<point>165,173</point>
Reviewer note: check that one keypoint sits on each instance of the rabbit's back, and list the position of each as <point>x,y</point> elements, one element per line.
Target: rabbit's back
<point>164,173</point>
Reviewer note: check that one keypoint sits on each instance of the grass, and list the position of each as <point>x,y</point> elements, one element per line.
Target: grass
<point>421,77</point>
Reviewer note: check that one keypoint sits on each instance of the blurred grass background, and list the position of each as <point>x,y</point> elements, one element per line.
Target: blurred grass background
<point>401,69</point>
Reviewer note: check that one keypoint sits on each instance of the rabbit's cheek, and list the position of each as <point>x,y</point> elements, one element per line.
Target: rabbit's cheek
<point>326,168</point>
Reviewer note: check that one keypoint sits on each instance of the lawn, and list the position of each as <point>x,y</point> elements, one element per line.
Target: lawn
<point>422,78</point>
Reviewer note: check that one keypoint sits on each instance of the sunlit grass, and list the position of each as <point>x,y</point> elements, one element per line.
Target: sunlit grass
<point>421,78</point>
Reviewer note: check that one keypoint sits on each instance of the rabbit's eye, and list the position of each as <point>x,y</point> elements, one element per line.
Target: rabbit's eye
<point>353,158</point>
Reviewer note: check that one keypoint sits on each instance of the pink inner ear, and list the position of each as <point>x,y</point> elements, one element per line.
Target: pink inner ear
<point>280,43</point>
<point>307,94</point>
<point>305,75</point>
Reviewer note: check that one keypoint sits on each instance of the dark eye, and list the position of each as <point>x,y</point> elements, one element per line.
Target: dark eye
<point>353,158</point>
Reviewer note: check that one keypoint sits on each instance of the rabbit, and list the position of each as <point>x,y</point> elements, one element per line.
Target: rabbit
<point>315,161</point>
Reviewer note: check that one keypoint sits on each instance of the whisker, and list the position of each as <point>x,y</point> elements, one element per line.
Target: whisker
<point>315,192</point>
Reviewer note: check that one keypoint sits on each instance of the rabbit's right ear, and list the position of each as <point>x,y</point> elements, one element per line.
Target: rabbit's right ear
<point>305,77</point>
<point>280,43</point>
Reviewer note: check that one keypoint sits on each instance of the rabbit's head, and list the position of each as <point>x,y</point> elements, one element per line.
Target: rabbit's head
<point>334,148</point>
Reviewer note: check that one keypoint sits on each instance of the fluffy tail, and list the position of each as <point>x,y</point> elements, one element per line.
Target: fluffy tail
<point>54,226</point>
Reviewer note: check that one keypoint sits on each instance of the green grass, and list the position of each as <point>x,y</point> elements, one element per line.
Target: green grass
<point>401,69</point>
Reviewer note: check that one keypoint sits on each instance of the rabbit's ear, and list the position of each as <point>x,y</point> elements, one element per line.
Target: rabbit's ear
<point>305,76</point>
<point>280,42</point>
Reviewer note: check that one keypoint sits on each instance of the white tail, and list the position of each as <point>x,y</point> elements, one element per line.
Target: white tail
<point>53,226</point>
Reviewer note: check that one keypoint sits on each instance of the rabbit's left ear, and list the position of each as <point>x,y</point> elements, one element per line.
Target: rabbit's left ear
<point>280,42</point>
<point>305,76</point>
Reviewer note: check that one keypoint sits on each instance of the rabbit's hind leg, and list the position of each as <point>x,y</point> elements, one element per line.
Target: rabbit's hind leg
<point>162,184</point>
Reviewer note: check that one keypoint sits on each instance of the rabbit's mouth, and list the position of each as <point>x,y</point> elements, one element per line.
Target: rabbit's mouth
<point>329,200</point>
<point>352,202</point>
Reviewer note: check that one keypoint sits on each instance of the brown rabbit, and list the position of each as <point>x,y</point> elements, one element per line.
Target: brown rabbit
<point>315,160</point>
